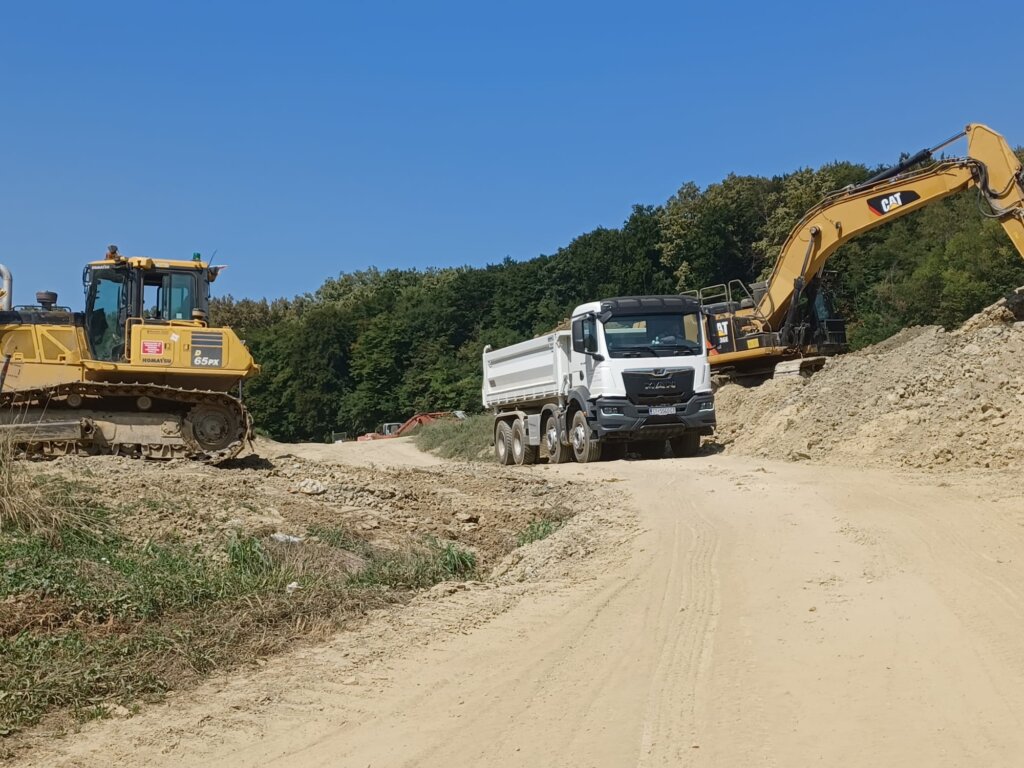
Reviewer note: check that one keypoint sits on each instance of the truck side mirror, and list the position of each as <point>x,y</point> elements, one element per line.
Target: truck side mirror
<point>585,342</point>
<point>577,336</point>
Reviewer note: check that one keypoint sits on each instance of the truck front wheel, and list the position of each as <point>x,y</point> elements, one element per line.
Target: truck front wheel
<point>503,443</point>
<point>584,447</point>
<point>522,452</point>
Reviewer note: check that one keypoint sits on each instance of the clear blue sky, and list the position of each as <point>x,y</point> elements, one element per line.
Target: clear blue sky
<point>304,139</point>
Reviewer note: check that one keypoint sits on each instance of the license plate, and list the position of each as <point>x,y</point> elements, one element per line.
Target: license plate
<point>663,410</point>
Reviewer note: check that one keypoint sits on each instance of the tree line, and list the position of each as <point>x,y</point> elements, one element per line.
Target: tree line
<point>379,345</point>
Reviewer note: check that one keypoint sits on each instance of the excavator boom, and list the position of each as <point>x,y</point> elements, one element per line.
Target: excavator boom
<point>766,327</point>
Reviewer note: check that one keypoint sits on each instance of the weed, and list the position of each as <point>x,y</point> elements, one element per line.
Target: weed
<point>456,562</point>
<point>97,712</point>
<point>419,564</point>
<point>341,538</point>
<point>247,556</point>
<point>153,505</point>
<point>416,567</point>
<point>90,618</point>
<point>537,530</point>
<point>87,620</point>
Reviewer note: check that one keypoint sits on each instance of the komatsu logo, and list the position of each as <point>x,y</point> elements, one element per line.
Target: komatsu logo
<point>884,204</point>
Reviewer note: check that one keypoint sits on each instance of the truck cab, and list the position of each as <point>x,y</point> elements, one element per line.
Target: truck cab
<point>639,370</point>
<point>632,372</point>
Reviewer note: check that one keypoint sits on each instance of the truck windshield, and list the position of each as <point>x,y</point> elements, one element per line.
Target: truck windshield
<point>652,335</point>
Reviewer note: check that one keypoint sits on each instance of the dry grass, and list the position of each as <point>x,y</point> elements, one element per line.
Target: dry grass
<point>37,505</point>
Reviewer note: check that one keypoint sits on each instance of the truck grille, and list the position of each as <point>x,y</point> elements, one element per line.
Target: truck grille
<point>654,387</point>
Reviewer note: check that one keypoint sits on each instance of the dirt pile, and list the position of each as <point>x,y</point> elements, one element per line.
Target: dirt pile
<point>924,398</point>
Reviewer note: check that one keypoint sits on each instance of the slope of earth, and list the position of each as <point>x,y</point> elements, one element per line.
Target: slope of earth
<point>284,491</point>
<point>924,398</point>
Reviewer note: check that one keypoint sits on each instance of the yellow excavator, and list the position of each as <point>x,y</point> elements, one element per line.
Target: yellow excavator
<point>140,372</point>
<point>786,324</point>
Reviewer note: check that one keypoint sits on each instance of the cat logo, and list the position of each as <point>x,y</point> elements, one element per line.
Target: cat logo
<point>884,204</point>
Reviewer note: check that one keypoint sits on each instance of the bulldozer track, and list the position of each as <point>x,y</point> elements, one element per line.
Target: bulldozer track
<point>177,402</point>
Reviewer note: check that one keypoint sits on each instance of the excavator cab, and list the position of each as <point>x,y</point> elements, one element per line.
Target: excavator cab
<point>826,328</point>
<point>812,326</point>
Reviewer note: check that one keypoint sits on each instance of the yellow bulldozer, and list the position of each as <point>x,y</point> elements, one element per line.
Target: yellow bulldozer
<point>140,372</point>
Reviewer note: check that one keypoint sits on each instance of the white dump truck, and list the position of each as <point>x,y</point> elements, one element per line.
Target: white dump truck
<point>632,373</point>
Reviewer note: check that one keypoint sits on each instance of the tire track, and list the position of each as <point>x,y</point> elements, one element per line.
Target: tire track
<point>684,626</point>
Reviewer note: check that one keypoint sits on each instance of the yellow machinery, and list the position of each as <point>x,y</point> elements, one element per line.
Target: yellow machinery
<point>788,317</point>
<point>140,372</point>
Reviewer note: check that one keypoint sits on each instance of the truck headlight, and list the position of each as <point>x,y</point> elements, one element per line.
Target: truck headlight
<point>611,410</point>
<point>707,405</point>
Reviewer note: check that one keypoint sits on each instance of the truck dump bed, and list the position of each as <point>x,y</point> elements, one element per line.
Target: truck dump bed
<point>527,372</point>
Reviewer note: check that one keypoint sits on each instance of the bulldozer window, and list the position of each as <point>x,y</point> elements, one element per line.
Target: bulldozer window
<point>105,302</point>
<point>151,298</point>
<point>181,296</point>
<point>168,296</point>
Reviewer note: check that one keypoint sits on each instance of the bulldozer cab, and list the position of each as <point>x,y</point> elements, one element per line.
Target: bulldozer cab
<point>124,292</point>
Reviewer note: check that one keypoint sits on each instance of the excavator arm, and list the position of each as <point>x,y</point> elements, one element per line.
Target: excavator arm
<point>769,316</point>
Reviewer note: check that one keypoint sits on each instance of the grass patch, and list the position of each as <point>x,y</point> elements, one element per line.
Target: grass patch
<point>341,538</point>
<point>90,618</point>
<point>541,528</point>
<point>537,530</point>
<point>416,566</point>
<point>468,438</point>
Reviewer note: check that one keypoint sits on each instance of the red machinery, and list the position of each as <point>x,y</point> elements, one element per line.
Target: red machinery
<point>396,429</point>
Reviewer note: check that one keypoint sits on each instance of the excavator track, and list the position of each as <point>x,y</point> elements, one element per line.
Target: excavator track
<point>139,420</point>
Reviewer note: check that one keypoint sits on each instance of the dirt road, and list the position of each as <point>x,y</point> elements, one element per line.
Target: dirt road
<point>735,612</point>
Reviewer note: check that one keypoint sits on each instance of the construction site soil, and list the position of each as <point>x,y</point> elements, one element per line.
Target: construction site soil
<point>282,492</point>
<point>834,580</point>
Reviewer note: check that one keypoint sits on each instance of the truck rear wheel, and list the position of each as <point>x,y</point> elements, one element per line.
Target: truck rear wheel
<point>584,447</point>
<point>558,452</point>
<point>687,445</point>
<point>522,451</point>
<point>503,443</point>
